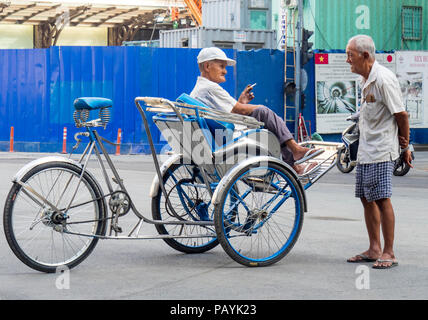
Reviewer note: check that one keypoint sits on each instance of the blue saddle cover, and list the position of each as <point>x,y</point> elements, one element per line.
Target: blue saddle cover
<point>92,103</point>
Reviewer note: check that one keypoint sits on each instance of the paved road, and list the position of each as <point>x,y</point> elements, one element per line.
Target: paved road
<point>315,269</point>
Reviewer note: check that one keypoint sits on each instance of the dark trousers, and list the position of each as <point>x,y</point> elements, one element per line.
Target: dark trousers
<point>277,126</point>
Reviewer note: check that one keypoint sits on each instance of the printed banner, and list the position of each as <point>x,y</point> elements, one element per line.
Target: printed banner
<point>338,90</point>
<point>412,73</point>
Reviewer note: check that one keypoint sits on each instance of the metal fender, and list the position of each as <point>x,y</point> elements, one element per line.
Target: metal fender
<point>23,171</point>
<point>226,179</point>
<point>154,188</point>
<point>262,141</point>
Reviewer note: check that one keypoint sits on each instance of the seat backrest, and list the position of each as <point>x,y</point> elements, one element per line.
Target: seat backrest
<point>211,124</point>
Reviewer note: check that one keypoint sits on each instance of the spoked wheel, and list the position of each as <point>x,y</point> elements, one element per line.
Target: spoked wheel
<point>190,201</point>
<point>260,214</point>
<point>41,237</point>
<point>344,162</point>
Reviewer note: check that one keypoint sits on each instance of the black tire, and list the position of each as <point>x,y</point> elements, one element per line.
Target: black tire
<point>247,231</point>
<point>44,233</point>
<point>344,163</point>
<point>400,167</point>
<point>181,212</point>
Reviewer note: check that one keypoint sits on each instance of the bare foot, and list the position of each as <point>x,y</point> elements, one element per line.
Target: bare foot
<point>304,168</point>
<point>300,152</point>
<point>385,261</point>
<point>298,168</point>
<point>367,256</point>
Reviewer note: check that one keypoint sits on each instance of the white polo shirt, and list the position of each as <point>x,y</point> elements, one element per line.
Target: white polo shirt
<point>381,98</point>
<point>213,95</point>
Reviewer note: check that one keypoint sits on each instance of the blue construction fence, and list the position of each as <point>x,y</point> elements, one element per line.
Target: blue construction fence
<point>38,87</point>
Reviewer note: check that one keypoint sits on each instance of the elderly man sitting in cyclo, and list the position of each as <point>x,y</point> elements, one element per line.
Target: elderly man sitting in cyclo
<point>212,65</point>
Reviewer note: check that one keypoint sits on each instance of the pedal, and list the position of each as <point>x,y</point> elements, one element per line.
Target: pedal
<point>116,229</point>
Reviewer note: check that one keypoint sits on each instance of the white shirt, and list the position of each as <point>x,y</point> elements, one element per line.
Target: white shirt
<point>213,95</point>
<point>381,98</point>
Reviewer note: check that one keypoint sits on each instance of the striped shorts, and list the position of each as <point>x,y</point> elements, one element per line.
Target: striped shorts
<point>374,180</point>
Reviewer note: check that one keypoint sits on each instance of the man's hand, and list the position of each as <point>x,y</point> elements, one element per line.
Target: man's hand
<point>407,158</point>
<point>246,95</point>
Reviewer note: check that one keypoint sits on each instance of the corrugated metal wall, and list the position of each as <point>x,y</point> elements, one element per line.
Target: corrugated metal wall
<point>38,87</point>
<point>202,37</point>
<point>223,14</point>
<point>266,68</point>
<point>235,14</point>
<point>335,21</point>
<point>175,38</point>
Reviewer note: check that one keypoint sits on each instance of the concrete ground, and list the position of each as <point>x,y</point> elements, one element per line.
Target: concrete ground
<point>316,268</point>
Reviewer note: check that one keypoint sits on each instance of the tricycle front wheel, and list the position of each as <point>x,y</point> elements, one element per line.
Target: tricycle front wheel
<point>259,215</point>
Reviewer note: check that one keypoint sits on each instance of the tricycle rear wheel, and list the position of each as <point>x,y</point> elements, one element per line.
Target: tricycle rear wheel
<point>190,201</point>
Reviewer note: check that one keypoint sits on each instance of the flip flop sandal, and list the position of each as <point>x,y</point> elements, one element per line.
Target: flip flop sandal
<point>311,153</point>
<point>361,259</point>
<point>394,263</point>
<point>309,168</point>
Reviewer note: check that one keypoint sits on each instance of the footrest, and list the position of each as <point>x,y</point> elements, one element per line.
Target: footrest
<point>326,161</point>
<point>316,173</point>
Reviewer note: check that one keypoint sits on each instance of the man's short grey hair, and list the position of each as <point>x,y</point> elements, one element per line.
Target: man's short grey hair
<point>364,43</point>
<point>201,66</point>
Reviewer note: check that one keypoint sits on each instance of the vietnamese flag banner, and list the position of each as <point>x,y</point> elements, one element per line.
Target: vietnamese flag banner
<point>321,58</point>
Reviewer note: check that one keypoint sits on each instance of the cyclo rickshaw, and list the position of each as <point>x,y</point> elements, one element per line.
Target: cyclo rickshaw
<point>220,185</point>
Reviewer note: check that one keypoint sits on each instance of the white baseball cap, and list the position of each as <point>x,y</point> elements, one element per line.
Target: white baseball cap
<point>214,53</point>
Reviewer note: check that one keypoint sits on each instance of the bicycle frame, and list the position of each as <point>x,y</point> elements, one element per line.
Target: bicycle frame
<point>96,146</point>
<point>228,194</point>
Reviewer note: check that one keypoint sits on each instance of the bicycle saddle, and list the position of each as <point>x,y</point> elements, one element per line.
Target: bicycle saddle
<point>92,103</point>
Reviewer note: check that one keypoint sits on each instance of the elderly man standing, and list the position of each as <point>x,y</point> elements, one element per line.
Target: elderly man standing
<point>383,120</point>
<point>212,65</point>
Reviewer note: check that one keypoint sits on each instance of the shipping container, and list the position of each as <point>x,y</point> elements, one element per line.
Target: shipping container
<point>237,14</point>
<point>393,25</point>
<point>202,37</point>
<point>221,14</point>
